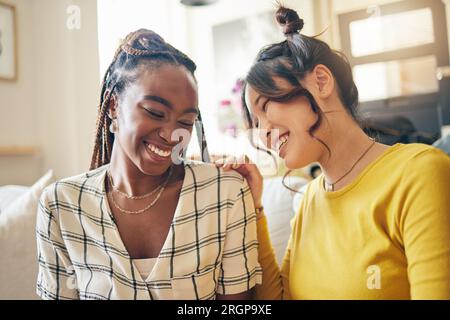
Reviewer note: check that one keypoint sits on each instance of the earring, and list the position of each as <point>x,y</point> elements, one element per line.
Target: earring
<point>113,126</point>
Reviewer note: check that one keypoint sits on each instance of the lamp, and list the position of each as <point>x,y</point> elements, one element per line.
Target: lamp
<point>197,3</point>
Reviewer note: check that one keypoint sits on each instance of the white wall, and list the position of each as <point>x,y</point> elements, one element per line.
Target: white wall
<point>117,18</point>
<point>18,110</point>
<point>67,83</point>
<point>53,103</point>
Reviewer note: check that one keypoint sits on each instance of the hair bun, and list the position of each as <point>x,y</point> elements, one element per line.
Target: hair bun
<point>289,20</point>
<point>144,39</point>
<point>142,42</point>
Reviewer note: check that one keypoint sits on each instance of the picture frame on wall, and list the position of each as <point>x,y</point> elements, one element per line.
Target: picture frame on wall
<point>8,42</point>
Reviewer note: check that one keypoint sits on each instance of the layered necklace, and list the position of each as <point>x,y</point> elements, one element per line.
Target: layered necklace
<point>329,186</point>
<point>159,190</point>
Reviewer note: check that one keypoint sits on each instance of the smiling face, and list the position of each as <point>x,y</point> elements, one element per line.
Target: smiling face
<point>284,127</point>
<point>149,110</point>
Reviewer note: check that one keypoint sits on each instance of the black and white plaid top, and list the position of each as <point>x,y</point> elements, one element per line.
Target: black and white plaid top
<point>211,247</point>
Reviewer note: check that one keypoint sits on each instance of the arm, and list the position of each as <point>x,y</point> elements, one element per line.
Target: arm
<point>425,225</point>
<point>56,279</point>
<point>271,287</point>
<point>275,283</point>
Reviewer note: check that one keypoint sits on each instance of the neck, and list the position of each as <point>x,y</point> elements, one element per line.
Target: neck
<point>130,179</point>
<point>347,144</point>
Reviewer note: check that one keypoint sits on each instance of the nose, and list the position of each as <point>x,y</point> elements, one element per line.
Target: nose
<point>165,133</point>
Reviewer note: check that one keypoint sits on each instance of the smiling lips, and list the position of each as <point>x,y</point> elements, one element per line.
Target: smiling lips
<point>158,151</point>
<point>282,140</point>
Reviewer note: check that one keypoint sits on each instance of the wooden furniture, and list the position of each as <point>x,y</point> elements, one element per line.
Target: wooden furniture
<point>13,151</point>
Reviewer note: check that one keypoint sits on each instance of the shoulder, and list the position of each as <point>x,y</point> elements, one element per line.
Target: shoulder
<point>90,183</point>
<point>423,160</point>
<point>408,163</point>
<point>310,189</point>
<point>425,178</point>
<point>205,174</point>
<point>416,151</point>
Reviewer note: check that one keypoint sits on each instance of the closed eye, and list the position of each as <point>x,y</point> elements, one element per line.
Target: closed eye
<point>186,124</point>
<point>264,106</point>
<point>155,114</point>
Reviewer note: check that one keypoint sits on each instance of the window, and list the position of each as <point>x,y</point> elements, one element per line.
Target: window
<point>391,32</point>
<point>383,80</point>
<point>395,49</point>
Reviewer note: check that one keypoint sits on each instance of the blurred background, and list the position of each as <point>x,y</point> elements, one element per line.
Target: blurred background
<point>57,52</point>
<point>53,54</point>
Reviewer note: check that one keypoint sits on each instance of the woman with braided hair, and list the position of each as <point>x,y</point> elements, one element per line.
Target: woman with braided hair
<point>143,223</point>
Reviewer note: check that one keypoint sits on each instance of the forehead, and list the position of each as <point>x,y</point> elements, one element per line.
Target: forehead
<point>252,96</point>
<point>174,83</point>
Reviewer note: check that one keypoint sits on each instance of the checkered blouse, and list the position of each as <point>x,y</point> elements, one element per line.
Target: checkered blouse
<point>211,247</point>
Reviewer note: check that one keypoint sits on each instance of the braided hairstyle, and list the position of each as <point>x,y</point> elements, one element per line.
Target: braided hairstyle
<point>140,48</point>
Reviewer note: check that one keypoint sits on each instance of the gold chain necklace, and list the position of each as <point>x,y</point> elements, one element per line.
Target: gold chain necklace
<point>128,196</point>
<point>331,185</point>
<point>163,187</point>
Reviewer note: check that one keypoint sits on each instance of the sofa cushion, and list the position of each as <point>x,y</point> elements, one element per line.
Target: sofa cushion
<point>277,201</point>
<point>18,270</point>
<point>10,193</point>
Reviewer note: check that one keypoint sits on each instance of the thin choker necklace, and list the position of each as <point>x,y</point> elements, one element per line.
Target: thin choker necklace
<point>162,188</point>
<point>131,197</point>
<point>331,185</point>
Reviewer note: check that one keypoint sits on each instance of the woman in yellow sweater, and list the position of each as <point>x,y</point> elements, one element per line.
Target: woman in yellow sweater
<point>376,223</point>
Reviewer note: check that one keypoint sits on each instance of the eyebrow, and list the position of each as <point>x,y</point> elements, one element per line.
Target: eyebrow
<point>257,100</point>
<point>169,105</point>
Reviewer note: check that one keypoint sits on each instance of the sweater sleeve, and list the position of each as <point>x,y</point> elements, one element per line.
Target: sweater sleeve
<point>425,224</point>
<point>275,281</point>
<point>271,287</point>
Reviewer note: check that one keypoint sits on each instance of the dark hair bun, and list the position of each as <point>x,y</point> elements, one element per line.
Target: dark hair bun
<point>289,20</point>
<point>144,39</point>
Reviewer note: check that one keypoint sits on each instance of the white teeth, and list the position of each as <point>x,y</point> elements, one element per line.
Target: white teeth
<point>158,151</point>
<point>282,141</point>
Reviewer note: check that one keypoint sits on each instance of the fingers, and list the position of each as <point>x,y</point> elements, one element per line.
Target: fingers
<point>232,162</point>
<point>253,170</point>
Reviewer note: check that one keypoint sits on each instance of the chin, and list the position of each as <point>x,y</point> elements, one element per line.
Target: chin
<point>152,169</point>
<point>293,163</point>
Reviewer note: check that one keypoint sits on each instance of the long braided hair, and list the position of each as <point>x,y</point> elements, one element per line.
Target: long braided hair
<point>138,48</point>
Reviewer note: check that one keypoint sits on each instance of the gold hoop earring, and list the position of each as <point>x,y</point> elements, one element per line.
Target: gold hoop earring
<point>113,126</point>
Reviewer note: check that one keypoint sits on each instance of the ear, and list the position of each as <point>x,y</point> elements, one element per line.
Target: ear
<point>324,80</point>
<point>113,105</point>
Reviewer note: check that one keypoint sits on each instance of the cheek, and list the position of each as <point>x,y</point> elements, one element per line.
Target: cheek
<point>132,130</point>
<point>298,118</point>
<point>303,148</point>
<point>302,151</point>
<point>129,128</point>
